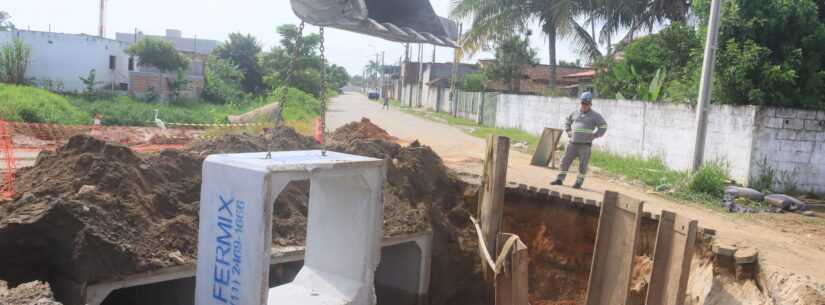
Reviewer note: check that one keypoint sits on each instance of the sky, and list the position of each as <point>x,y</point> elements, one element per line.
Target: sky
<point>216,19</point>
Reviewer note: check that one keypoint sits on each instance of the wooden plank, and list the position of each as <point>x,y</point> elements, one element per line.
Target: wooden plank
<point>546,149</point>
<point>512,284</point>
<point>491,199</point>
<point>671,260</point>
<point>616,239</point>
<point>521,263</point>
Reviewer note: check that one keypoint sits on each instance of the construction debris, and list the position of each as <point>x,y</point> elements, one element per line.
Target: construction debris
<point>32,293</point>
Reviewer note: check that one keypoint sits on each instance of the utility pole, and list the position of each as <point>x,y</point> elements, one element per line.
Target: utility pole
<point>420,74</point>
<point>705,85</point>
<point>383,81</point>
<point>102,26</point>
<point>454,76</point>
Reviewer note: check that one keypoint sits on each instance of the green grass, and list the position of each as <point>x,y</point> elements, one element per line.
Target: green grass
<point>705,186</point>
<point>28,104</point>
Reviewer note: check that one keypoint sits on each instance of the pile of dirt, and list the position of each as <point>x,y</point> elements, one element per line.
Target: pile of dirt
<point>94,211</point>
<point>362,130</point>
<point>277,139</point>
<point>32,293</point>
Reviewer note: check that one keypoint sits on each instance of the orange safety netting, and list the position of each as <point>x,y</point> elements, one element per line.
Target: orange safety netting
<point>7,161</point>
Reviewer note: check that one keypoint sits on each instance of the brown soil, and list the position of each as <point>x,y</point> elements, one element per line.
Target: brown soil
<point>93,211</point>
<point>32,293</point>
<point>560,238</point>
<point>361,130</point>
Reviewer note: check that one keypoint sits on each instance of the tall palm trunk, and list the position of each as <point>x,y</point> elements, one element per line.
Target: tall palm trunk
<point>551,36</point>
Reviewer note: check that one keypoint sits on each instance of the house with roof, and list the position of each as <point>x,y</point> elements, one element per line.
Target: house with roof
<point>433,91</point>
<point>146,78</point>
<point>535,79</point>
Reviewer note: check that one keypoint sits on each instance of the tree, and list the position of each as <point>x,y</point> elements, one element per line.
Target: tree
<point>474,82</point>
<point>223,81</point>
<point>90,82</point>
<point>15,56</point>
<point>160,54</point>
<point>512,54</point>
<point>243,51</point>
<point>671,54</point>
<point>306,72</point>
<point>5,24</point>
<point>771,52</point>
<point>557,19</point>
<point>337,77</point>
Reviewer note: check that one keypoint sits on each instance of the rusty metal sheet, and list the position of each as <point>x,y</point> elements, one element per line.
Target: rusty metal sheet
<point>671,260</point>
<point>546,148</point>
<point>616,239</point>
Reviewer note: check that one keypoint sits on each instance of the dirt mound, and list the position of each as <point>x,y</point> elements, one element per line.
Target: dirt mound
<point>362,130</point>
<point>32,293</point>
<point>94,210</point>
<point>277,139</point>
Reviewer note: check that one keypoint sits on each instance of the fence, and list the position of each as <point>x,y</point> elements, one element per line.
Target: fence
<point>750,140</point>
<point>479,107</point>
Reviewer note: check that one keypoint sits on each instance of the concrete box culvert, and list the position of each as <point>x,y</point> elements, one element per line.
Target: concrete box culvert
<point>402,277</point>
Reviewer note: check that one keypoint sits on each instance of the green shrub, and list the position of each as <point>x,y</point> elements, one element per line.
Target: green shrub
<point>29,104</point>
<point>709,179</point>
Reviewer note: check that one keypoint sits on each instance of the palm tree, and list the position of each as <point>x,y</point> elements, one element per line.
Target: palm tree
<point>499,17</point>
<point>373,69</point>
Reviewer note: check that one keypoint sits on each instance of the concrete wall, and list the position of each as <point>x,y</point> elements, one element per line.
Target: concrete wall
<point>793,143</point>
<point>645,129</point>
<point>60,59</point>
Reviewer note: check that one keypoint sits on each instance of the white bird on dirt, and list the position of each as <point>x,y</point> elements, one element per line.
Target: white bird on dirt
<point>158,122</point>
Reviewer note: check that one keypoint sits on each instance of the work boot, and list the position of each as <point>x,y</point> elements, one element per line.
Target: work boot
<point>578,184</point>
<point>556,182</point>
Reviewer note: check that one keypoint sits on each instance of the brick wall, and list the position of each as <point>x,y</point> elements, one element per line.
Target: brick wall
<point>142,82</point>
<point>793,143</point>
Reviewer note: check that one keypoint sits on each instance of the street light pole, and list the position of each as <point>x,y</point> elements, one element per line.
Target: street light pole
<point>705,85</point>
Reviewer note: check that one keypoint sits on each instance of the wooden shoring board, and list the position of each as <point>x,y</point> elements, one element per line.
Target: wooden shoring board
<point>616,239</point>
<point>491,199</point>
<point>512,285</point>
<point>546,149</point>
<point>671,260</point>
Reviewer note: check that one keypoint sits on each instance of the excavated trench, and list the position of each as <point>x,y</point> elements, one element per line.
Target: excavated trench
<point>560,236</point>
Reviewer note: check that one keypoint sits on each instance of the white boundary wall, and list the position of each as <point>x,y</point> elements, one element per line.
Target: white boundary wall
<point>64,58</point>
<point>791,140</point>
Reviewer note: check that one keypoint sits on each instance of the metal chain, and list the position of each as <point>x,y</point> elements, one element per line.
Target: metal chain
<point>323,126</point>
<point>285,86</point>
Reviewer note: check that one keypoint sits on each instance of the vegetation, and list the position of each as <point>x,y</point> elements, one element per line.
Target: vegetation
<point>306,73</point>
<point>512,53</point>
<point>89,83</point>
<point>29,104</point>
<point>158,53</point>
<point>5,24</point>
<point>561,19</point>
<point>474,82</point>
<point>660,62</point>
<point>15,56</point>
<point>243,51</point>
<point>770,53</point>
<point>223,81</point>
